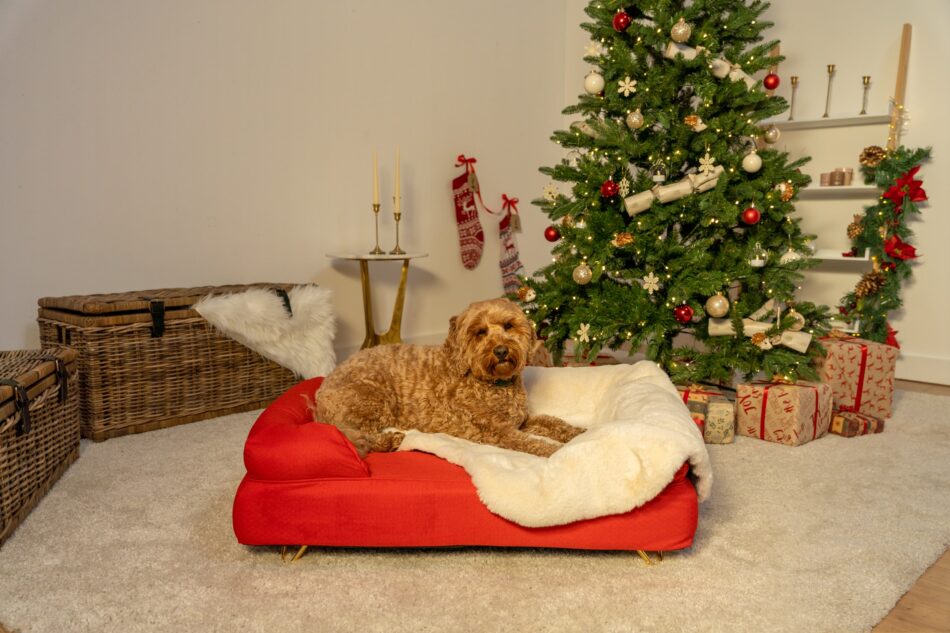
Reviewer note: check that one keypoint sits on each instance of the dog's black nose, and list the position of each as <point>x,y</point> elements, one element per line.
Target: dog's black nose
<point>500,352</point>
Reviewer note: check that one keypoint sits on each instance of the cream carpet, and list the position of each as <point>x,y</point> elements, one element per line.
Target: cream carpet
<point>826,537</point>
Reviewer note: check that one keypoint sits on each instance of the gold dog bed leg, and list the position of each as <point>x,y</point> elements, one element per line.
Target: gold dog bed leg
<point>300,552</point>
<point>283,553</point>
<point>646,557</point>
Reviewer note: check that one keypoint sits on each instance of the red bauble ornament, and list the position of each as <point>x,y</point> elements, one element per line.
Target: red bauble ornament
<point>621,21</point>
<point>751,215</point>
<point>771,81</point>
<point>609,189</point>
<point>551,234</point>
<point>683,313</point>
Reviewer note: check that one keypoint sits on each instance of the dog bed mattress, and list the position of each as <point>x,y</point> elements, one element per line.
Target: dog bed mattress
<point>305,484</point>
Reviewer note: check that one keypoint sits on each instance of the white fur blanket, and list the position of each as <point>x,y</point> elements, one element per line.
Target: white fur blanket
<point>639,434</point>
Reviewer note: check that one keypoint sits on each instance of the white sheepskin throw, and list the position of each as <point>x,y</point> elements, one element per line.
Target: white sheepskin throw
<point>639,434</point>
<point>257,318</point>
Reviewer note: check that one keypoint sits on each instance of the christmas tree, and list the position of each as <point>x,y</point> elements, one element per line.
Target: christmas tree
<point>679,215</point>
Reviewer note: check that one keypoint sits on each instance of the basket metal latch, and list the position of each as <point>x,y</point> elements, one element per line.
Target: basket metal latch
<point>156,308</point>
<point>22,399</point>
<point>61,375</point>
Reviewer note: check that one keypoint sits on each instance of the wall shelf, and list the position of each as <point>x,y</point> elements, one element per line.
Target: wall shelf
<point>830,254</point>
<point>834,193</point>
<point>831,122</point>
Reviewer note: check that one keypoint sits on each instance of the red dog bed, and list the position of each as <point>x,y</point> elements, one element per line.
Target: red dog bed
<point>306,485</point>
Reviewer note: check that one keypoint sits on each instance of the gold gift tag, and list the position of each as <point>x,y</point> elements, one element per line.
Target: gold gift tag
<point>515,223</point>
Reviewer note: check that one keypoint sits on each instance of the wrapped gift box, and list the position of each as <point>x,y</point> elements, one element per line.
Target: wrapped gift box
<point>861,375</point>
<point>787,414</point>
<point>712,412</point>
<point>851,424</point>
<point>720,421</point>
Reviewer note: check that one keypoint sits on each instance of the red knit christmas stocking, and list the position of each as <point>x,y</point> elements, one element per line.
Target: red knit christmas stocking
<point>471,236</point>
<point>509,259</point>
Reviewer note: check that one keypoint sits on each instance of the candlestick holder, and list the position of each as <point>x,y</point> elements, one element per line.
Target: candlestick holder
<point>866,80</point>
<point>377,250</point>
<point>791,103</point>
<point>396,250</point>
<point>831,72</point>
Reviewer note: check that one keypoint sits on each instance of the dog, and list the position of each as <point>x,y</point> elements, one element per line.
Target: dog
<point>469,387</point>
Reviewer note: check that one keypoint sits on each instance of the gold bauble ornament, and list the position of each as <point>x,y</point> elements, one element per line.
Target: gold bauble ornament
<point>635,120</point>
<point>771,135</point>
<point>758,338</point>
<point>717,306</point>
<point>872,156</point>
<point>799,320</point>
<point>582,274</point>
<point>681,31</point>
<point>691,119</point>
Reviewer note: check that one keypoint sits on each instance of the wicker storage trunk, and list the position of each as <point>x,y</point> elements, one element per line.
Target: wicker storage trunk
<point>39,428</point>
<point>148,361</point>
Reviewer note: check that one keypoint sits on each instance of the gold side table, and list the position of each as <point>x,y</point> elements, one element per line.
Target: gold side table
<point>392,335</point>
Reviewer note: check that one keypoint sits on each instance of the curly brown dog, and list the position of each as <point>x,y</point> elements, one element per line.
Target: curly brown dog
<point>469,387</point>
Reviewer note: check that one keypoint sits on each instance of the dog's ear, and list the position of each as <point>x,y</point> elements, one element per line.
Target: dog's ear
<point>453,348</point>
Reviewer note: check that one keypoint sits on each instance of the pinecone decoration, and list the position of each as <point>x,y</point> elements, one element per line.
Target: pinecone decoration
<point>870,284</point>
<point>872,156</point>
<point>855,229</point>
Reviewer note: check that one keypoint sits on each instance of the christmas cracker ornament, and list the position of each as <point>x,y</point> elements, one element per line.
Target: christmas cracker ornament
<point>693,183</point>
<point>719,67</point>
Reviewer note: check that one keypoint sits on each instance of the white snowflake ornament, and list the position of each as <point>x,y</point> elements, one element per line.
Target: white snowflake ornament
<point>651,283</point>
<point>627,87</point>
<point>706,164</point>
<point>550,193</point>
<point>623,187</point>
<point>583,334</point>
<point>594,49</point>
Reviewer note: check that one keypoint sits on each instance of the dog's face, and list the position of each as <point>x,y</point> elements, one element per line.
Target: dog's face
<point>491,339</point>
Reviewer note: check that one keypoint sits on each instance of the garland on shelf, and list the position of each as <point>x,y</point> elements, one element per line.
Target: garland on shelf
<point>882,230</point>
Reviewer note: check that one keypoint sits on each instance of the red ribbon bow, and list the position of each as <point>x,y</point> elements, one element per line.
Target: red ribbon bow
<point>468,162</point>
<point>509,204</point>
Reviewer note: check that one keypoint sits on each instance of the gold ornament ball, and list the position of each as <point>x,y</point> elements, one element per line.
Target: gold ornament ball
<point>717,306</point>
<point>635,120</point>
<point>623,239</point>
<point>681,31</point>
<point>582,274</point>
<point>772,135</point>
<point>799,321</point>
<point>691,120</point>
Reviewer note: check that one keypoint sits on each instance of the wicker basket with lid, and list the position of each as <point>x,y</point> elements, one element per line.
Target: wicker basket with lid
<point>148,361</point>
<point>39,428</point>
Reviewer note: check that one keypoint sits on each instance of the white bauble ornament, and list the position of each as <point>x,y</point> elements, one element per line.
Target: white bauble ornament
<point>582,274</point>
<point>594,83</point>
<point>635,120</point>
<point>752,162</point>
<point>680,31</point>
<point>772,135</point>
<point>717,306</point>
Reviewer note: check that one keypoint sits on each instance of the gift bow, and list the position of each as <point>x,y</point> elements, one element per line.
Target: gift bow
<point>468,162</point>
<point>509,204</point>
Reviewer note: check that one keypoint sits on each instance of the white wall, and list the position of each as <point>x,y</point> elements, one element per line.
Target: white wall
<point>163,144</point>
<point>147,144</point>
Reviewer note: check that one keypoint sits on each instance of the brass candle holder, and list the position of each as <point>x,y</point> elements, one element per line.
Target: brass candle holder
<point>377,250</point>
<point>866,81</point>
<point>831,72</point>
<point>397,213</point>
<point>791,103</point>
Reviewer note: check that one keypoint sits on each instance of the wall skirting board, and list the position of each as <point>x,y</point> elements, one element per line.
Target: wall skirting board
<point>920,368</point>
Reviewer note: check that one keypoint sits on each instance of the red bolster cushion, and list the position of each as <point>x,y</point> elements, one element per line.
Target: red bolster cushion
<point>286,444</point>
